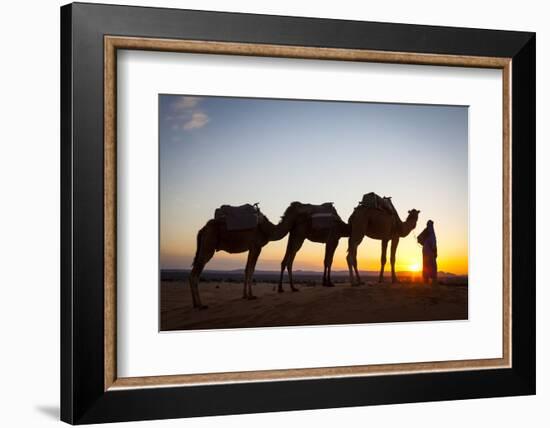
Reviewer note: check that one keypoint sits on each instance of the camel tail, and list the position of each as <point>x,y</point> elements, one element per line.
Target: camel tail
<point>199,241</point>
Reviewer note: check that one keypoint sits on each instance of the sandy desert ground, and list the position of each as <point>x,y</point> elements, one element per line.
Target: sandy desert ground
<point>312,305</point>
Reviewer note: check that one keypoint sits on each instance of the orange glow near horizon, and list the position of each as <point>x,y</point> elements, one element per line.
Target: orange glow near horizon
<point>452,259</point>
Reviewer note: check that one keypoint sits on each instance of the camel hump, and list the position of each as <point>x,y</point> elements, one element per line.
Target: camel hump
<point>311,209</point>
<point>372,200</point>
<point>322,216</point>
<point>240,217</point>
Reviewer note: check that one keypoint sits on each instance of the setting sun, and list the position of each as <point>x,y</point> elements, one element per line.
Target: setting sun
<point>415,267</point>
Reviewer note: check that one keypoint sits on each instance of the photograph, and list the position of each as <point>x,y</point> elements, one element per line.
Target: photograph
<point>290,212</point>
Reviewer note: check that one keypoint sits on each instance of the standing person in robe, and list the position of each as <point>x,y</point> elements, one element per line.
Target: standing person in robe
<point>429,253</point>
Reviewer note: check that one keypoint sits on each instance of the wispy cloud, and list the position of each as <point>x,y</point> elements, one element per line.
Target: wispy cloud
<point>185,103</point>
<point>187,114</point>
<point>198,120</point>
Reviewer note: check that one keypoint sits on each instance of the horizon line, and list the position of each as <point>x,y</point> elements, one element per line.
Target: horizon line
<point>238,270</point>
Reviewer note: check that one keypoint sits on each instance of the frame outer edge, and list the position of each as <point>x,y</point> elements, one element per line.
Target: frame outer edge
<point>524,216</point>
<point>66,161</point>
<point>298,30</point>
<point>82,401</point>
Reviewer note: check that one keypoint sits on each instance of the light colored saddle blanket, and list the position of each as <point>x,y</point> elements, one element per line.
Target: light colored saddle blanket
<point>323,220</point>
<point>322,216</point>
<point>238,218</point>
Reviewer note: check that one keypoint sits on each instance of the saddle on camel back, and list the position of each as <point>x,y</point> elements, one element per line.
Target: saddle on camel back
<point>322,216</point>
<point>372,200</point>
<point>238,218</point>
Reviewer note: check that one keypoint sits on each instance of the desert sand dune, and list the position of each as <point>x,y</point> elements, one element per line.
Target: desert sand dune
<point>343,304</point>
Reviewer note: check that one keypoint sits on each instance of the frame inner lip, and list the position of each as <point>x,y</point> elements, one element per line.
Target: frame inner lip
<point>112,43</point>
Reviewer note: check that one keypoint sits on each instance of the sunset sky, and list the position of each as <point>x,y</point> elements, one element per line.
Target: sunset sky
<point>221,150</point>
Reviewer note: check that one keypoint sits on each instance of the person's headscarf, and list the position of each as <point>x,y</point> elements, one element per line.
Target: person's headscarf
<point>430,238</point>
<point>427,237</point>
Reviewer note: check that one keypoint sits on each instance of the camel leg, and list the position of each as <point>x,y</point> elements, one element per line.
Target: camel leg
<point>193,285</point>
<point>246,270</point>
<point>245,282</point>
<point>359,281</point>
<point>284,263</point>
<point>203,256</point>
<point>394,244</point>
<point>253,255</point>
<point>297,244</point>
<point>283,267</point>
<point>293,246</point>
<point>330,248</point>
<point>383,259</point>
<point>252,270</point>
<point>325,270</point>
<point>351,258</point>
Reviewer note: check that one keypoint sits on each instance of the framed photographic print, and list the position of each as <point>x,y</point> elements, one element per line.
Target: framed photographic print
<point>266,213</point>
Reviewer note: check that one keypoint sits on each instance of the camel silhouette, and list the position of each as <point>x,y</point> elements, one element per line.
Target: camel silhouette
<point>304,229</point>
<point>214,236</point>
<point>381,225</point>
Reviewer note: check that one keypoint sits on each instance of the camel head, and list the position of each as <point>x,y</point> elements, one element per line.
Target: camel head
<point>413,217</point>
<point>409,224</point>
<point>274,232</point>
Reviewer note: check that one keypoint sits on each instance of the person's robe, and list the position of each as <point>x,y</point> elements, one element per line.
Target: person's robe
<point>429,252</point>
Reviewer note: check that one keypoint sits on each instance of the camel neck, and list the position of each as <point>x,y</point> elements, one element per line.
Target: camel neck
<point>279,231</point>
<point>406,227</point>
<point>275,232</point>
<point>345,229</point>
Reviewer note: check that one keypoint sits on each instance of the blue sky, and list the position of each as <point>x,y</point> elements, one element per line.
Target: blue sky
<point>222,150</point>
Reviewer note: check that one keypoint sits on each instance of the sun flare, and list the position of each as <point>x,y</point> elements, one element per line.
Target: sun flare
<point>415,267</point>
